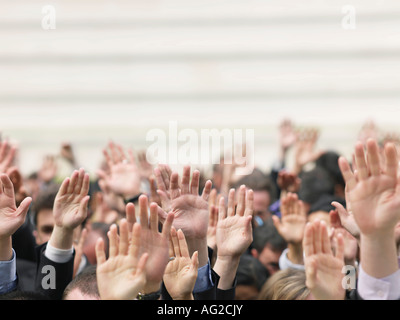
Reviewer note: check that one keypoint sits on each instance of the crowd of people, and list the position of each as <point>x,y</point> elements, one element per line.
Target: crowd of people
<point>326,228</point>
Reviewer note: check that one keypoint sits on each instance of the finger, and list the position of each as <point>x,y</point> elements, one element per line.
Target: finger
<point>241,201</point>
<point>284,206</point>
<point>123,237</point>
<point>73,181</point>
<point>8,187</point>
<point>160,181</point>
<point>183,244</point>
<point>107,158</point>
<point>311,274</point>
<point>276,221</point>
<point>308,240</point>
<point>24,207</point>
<point>113,241</point>
<point>195,261</point>
<point>206,190</point>
<point>85,185</point>
<point>154,217</point>
<point>134,247</point>
<point>249,203</point>
<point>373,158</point>
<point>362,167</point>
<point>317,237</point>
<point>231,203</point>
<point>185,180</point>
<point>141,266</point>
<point>130,215</point>
<point>174,186</point>
<point>194,185</point>
<point>392,161</point>
<point>167,225</point>
<point>166,174</point>
<point>100,253</point>
<point>221,209</point>
<point>339,247</point>
<point>348,175</point>
<point>64,187</point>
<point>213,219</point>
<point>325,242</point>
<point>212,197</point>
<point>143,211</point>
<point>83,207</point>
<point>79,182</point>
<point>175,243</point>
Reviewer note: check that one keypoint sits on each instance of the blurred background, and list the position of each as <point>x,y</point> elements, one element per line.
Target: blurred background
<point>113,70</point>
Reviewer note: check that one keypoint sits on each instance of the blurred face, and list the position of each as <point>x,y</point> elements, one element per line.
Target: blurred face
<point>261,204</point>
<point>269,258</point>
<point>44,226</point>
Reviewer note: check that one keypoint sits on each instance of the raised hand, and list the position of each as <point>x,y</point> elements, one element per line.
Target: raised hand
<point>234,234</point>
<point>323,268</point>
<point>189,208</point>
<point>70,209</point>
<point>374,192</point>
<point>294,218</point>
<point>7,154</point>
<point>154,243</point>
<point>305,148</point>
<point>11,217</point>
<point>123,175</point>
<point>123,275</point>
<point>181,272</point>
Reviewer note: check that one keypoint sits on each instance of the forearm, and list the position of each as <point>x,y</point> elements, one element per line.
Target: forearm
<point>199,245</point>
<point>295,253</point>
<point>61,238</point>
<point>379,255</point>
<point>226,268</point>
<point>6,249</point>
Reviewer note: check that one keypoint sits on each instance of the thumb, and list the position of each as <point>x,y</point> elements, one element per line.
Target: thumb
<point>24,207</point>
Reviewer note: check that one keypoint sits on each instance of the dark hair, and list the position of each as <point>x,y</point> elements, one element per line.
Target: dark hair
<point>267,234</point>
<point>44,200</point>
<point>85,281</point>
<point>23,295</point>
<point>314,184</point>
<point>329,162</point>
<point>251,272</point>
<point>324,203</point>
<point>258,181</point>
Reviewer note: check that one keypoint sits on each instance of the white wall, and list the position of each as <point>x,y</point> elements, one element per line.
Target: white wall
<point>116,69</point>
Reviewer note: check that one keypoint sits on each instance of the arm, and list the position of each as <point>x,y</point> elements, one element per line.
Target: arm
<point>291,226</point>
<point>375,203</point>
<point>323,268</point>
<point>234,235</point>
<point>181,272</point>
<point>123,274</point>
<point>11,218</point>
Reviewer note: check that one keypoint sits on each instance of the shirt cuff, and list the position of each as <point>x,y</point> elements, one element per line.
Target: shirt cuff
<point>58,255</point>
<point>204,280</point>
<point>285,263</point>
<point>8,274</point>
<point>370,288</point>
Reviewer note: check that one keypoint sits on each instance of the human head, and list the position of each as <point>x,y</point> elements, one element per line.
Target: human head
<point>95,230</point>
<point>264,192</point>
<point>321,208</point>
<point>250,277</point>
<point>329,161</point>
<point>314,184</point>
<point>268,246</point>
<point>287,284</point>
<point>83,286</point>
<point>43,214</point>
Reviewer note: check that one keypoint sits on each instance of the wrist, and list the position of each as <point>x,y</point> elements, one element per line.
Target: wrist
<point>6,249</point>
<point>295,253</point>
<point>62,238</point>
<point>199,245</point>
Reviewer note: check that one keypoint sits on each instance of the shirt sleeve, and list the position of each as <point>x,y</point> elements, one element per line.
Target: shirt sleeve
<point>58,255</point>
<point>204,280</point>
<point>285,263</point>
<point>8,274</point>
<point>370,288</point>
